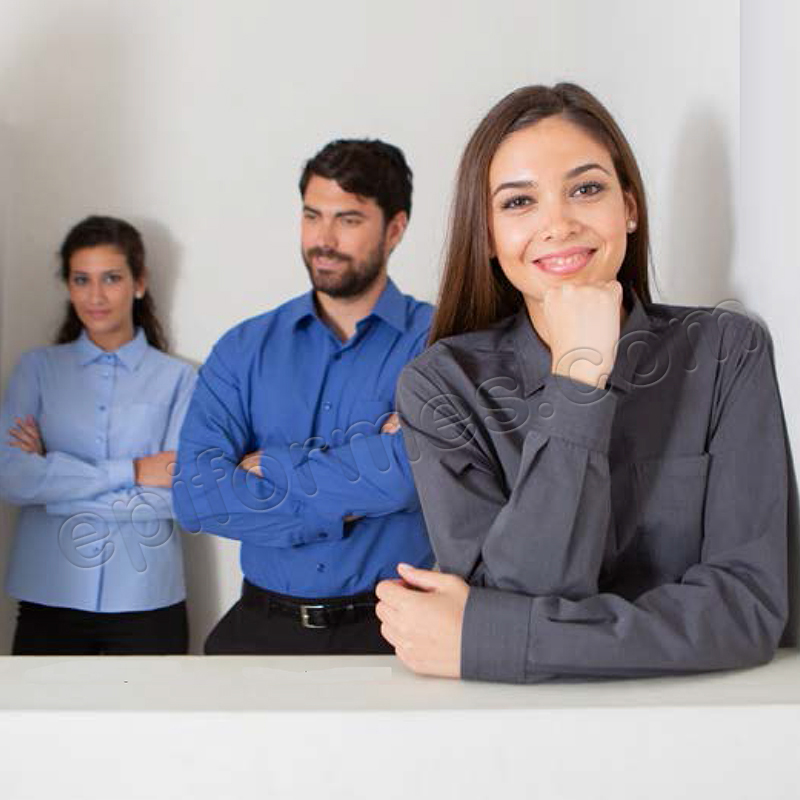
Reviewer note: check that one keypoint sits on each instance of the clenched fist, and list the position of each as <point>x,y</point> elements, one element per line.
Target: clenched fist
<point>583,328</point>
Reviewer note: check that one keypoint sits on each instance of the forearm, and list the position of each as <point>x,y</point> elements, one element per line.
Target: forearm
<point>30,479</point>
<point>123,504</point>
<point>210,494</point>
<point>550,536</point>
<point>713,620</point>
<point>368,476</point>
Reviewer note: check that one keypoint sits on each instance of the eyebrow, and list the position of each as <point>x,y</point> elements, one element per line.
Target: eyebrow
<point>78,273</point>
<point>573,173</point>
<point>338,214</point>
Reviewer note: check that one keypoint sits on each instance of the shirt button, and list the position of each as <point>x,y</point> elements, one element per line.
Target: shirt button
<point>102,408</point>
<point>327,406</point>
<point>323,536</point>
<point>99,438</point>
<point>320,568</point>
<point>106,374</point>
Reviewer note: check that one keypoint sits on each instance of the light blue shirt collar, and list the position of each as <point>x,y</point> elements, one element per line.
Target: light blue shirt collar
<point>129,355</point>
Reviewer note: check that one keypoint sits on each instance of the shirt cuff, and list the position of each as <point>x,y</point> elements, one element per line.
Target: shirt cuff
<point>494,635</point>
<point>320,529</point>
<point>119,472</point>
<point>575,411</point>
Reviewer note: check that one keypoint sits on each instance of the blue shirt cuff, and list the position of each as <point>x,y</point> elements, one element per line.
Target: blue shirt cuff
<point>120,473</point>
<point>321,529</point>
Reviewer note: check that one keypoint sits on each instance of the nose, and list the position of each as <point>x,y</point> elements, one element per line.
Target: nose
<point>326,235</point>
<point>97,293</point>
<point>557,221</point>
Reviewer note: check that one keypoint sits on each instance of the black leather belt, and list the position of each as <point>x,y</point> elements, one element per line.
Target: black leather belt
<point>327,612</point>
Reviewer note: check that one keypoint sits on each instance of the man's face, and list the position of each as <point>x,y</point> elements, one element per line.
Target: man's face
<point>343,239</point>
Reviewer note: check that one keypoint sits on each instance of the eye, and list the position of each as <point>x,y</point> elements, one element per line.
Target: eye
<point>79,280</point>
<point>589,189</point>
<point>112,278</point>
<point>309,215</point>
<point>517,201</point>
<point>352,222</point>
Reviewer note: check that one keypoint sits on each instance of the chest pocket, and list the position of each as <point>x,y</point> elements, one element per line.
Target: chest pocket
<point>139,429</point>
<point>658,511</point>
<point>368,416</point>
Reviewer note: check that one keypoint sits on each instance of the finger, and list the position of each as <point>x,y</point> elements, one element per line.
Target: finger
<point>392,592</point>
<point>33,431</point>
<point>23,436</point>
<point>391,635</point>
<point>385,613</point>
<point>26,448</point>
<point>421,578</point>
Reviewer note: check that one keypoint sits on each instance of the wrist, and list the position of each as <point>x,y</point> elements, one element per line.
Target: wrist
<point>577,367</point>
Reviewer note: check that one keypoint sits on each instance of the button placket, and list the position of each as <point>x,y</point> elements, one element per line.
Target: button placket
<point>103,403</point>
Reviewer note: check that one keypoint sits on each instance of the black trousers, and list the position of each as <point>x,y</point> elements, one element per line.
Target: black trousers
<point>254,627</point>
<point>49,630</point>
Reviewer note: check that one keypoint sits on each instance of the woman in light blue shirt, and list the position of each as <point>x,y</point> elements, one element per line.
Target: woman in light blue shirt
<point>92,423</point>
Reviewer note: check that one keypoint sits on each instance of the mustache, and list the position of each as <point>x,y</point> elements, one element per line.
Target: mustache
<point>326,252</point>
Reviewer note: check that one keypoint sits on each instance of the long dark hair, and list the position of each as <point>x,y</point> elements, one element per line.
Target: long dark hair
<point>93,232</point>
<point>474,292</point>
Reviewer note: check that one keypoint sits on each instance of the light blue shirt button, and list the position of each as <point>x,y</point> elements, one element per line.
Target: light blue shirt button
<point>327,406</point>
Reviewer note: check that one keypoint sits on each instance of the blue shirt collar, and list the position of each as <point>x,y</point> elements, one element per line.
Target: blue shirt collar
<point>129,355</point>
<point>391,307</point>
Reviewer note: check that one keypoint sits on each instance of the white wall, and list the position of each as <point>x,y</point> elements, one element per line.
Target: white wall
<point>192,119</point>
<point>767,272</point>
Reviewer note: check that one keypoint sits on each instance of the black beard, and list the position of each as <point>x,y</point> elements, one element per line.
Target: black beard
<point>350,282</point>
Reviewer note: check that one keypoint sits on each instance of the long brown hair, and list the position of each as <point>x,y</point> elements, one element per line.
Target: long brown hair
<point>474,292</point>
<point>96,231</point>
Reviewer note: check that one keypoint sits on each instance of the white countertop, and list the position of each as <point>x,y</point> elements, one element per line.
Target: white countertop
<point>351,727</point>
<point>352,683</point>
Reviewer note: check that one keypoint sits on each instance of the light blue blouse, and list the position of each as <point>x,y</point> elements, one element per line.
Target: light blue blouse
<point>87,537</point>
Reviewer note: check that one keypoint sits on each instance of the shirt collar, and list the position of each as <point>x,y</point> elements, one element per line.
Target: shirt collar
<point>129,355</point>
<point>390,307</point>
<point>535,356</point>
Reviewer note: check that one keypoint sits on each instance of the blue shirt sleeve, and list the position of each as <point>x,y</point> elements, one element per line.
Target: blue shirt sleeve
<point>31,479</point>
<point>211,494</point>
<point>368,476</point>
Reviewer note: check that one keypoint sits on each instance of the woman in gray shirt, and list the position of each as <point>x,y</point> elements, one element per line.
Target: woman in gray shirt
<point>604,479</point>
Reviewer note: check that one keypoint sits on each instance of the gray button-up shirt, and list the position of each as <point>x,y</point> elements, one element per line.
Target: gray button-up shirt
<point>634,530</point>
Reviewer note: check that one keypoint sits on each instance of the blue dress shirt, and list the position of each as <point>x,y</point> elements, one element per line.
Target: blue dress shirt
<point>283,383</point>
<point>87,537</point>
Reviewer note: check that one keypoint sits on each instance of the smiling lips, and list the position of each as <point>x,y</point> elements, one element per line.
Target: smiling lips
<point>567,262</point>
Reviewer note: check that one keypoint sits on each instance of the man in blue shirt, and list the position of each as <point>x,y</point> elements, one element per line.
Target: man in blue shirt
<point>290,443</point>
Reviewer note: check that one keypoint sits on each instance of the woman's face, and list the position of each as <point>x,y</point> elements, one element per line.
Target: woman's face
<point>557,212</point>
<point>102,291</point>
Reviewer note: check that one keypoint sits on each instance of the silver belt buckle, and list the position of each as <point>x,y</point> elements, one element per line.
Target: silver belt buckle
<point>304,621</point>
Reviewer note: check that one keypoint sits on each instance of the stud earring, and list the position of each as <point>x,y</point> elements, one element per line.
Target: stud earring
<point>631,226</point>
